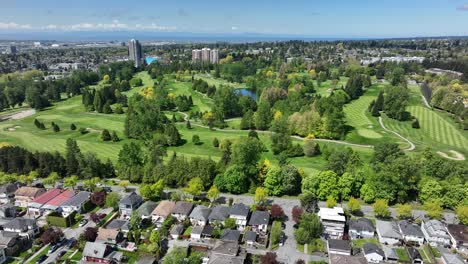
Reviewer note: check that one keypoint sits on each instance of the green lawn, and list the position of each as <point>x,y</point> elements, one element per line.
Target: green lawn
<point>318,245</point>
<point>218,81</point>
<point>358,243</point>
<point>437,131</point>
<point>201,102</point>
<point>426,254</point>
<point>41,253</point>
<point>402,254</point>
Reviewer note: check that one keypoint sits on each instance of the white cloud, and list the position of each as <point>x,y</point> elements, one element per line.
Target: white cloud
<point>12,25</point>
<point>233,28</point>
<point>115,25</point>
<point>463,7</point>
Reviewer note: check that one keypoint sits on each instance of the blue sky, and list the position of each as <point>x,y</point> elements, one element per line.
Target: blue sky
<point>358,18</point>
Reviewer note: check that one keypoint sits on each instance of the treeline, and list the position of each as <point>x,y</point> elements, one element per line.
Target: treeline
<point>40,93</point>
<point>392,175</point>
<point>101,99</point>
<point>201,86</point>
<point>16,160</point>
<point>459,65</point>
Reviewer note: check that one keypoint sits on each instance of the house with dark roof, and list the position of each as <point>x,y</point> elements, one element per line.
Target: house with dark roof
<point>230,235</point>
<point>182,210</point>
<point>373,253</point>
<point>176,231</point>
<point>118,224</point>
<point>259,221</point>
<point>23,226</point>
<point>199,215</point>
<point>25,195</point>
<point>361,228</point>
<point>411,232</point>
<point>7,211</point>
<point>218,214</point>
<point>3,257</point>
<point>128,204</point>
<point>35,207</point>
<point>199,232</point>
<point>240,212</point>
<point>435,232</point>
<point>226,252</point>
<point>100,253</point>
<point>75,203</point>
<point>459,237</point>
<point>250,238</point>
<point>449,258</point>
<point>390,254</point>
<point>162,211</point>
<point>339,247</point>
<point>388,232</point>
<point>12,243</point>
<point>415,256</point>
<point>145,210</point>
<point>345,259</point>
<point>7,192</point>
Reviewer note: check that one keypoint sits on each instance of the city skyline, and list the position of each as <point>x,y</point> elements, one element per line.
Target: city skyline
<point>305,18</point>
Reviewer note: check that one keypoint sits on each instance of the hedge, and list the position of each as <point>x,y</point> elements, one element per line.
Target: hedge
<point>55,219</point>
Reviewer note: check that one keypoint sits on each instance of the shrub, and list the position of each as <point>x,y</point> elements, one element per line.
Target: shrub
<point>72,127</point>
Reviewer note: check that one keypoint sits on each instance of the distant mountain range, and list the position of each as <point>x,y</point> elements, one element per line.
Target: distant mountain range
<point>180,36</point>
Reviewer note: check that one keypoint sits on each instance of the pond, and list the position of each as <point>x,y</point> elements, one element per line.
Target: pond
<point>246,92</point>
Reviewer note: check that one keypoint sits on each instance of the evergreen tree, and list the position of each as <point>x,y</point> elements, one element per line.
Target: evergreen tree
<point>107,109</point>
<point>188,125</point>
<point>72,155</point>
<point>415,124</point>
<point>98,103</point>
<point>215,142</point>
<point>72,127</point>
<point>115,137</point>
<point>172,135</point>
<point>263,116</point>
<point>380,101</point>
<point>56,128</point>
<point>375,111</point>
<point>105,135</point>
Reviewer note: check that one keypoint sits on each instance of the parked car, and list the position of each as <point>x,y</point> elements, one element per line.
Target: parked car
<point>282,239</point>
<point>63,252</point>
<point>102,216</point>
<point>41,259</point>
<point>107,189</point>
<point>53,248</point>
<point>83,222</point>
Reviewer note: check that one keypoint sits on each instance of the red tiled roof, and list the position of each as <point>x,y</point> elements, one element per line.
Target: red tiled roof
<point>61,198</point>
<point>47,196</point>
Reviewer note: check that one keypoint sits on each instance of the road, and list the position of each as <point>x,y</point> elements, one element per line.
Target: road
<point>411,144</point>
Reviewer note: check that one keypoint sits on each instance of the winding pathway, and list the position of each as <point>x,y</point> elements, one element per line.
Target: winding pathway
<point>411,144</point>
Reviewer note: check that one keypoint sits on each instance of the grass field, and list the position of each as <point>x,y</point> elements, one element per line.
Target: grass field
<point>218,81</point>
<point>437,131</point>
<point>201,102</point>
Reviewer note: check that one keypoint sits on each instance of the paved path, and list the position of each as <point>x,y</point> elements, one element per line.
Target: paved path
<point>17,115</point>
<point>411,144</point>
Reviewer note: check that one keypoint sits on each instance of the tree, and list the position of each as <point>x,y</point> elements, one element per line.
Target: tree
<point>380,208</point>
<point>135,221</point>
<point>55,127</point>
<point>331,202</point>
<point>188,125</point>
<point>195,186</point>
<point>176,256</point>
<point>51,235</point>
<point>462,214</point>
<point>263,116</point>
<point>115,137</point>
<point>404,211</point>
<point>213,193</point>
<point>296,214</point>
<point>98,198</point>
<point>309,229</point>
<point>196,139</point>
<point>309,202</point>
<point>72,155</point>
<point>90,234</point>
<point>215,142</point>
<point>229,223</point>
<point>124,184</point>
<point>246,152</point>
<point>311,148</point>
<point>72,127</point>
<point>269,258</point>
<point>353,205</point>
<point>94,217</point>
<point>233,180</point>
<point>277,213</point>
<point>112,200</point>
<point>260,195</point>
<point>105,135</point>
<point>433,209</point>
<point>70,181</point>
<point>415,124</point>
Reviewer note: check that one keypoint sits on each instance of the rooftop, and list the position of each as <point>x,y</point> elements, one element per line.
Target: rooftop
<point>47,196</point>
<point>200,212</point>
<point>219,212</point>
<point>164,208</point>
<point>338,244</point>
<point>183,208</point>
<point>259,218</point>
<point>58,200</point>
<point>388,229</point>
<point>230,235</point>
<point>146,208</point>
<point>239,209</point>
<point>332,214</point>
<point>361,224</point>
<point>131,199</point>
<point>78,199</point>
<point>28,191</point>
<point>458,232</point>
<point>409,229</point>
<point>370,248</point>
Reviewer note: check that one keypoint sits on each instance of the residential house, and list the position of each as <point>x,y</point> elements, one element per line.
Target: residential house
<point>23,227</point>
<point>339,247</point>
<point>388,232</point>
<point>7,211</point>
<point>373,253</point>
<point>240,212</point>
<point>250,238</point>
<point>109,236</point>
<point>411,232</point>
<point>333,221</point>
<point>100,253</point>
<point>218,214</point>
<point>145,210</point>
<point>199,232</point>
<point>415,256</point>
<point>3,257</point>
<point>259,221</point>
<point>345,259</point>
<point>449,258</point>
<point>119,225</point>
<point>435,233</point>
<point>75,203</point>
<point>12,243</point>
<point>459,237</point>
<point>25,195</point>
<point>7,193</point>
<point>128,204</point>
<point>35,206</point>
<point>199,215</point>
<point>361,228</point>
<point>162,211</point>
<point>231,235</point>
<point>176,231</point>
<point>227,252</point>
<point>54,204</point>
<point>181,210</point>
<point>390,255</point>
